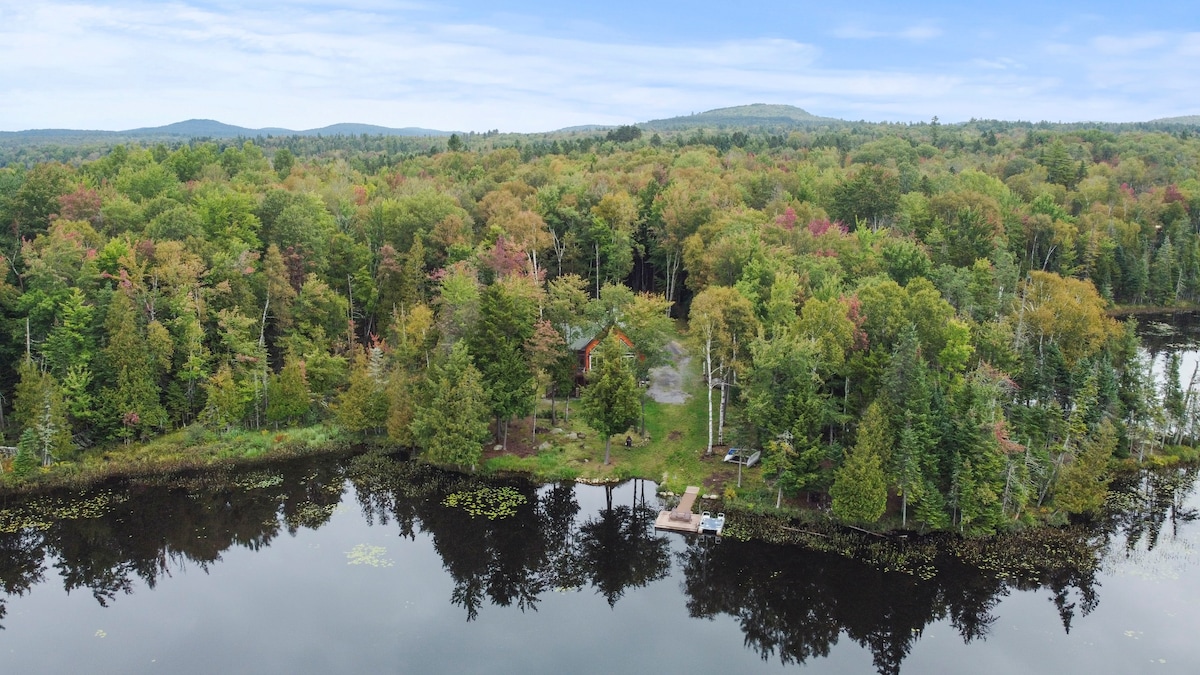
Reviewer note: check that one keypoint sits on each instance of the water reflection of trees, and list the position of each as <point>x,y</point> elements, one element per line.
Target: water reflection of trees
<point>620,549</point>
<point>794,604</point>
<point>21,556</point>
<point>107,540</point>
<point>104,540</point>
<point>1143,503</point>
<point>512,561</point>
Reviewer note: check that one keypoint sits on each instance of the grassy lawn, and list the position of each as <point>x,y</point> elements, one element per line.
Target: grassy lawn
<point>672,455</point>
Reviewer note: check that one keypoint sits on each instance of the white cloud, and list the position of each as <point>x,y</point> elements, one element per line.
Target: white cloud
<point>1124,45</point>
<point>916,33</point>
<point>1000,63</point>
<point>70,63</point>
<point>1189,45</point>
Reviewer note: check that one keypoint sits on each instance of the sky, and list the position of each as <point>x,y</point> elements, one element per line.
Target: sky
<point>540,65</point>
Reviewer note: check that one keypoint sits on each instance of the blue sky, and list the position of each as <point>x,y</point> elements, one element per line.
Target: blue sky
<point>536,66</point>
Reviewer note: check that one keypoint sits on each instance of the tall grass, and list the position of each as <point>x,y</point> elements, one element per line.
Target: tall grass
<point>183,450</point>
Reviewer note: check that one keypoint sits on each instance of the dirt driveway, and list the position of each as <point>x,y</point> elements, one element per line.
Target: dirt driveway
<point>666,382</point>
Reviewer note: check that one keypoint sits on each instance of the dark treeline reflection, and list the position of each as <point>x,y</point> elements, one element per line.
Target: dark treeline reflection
<point>792,603</point>
<point>1143,504</point>
<point>546,545</point>
<point>104,539</point>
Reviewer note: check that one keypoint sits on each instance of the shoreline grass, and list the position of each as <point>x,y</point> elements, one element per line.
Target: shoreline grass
<point>189,449</point>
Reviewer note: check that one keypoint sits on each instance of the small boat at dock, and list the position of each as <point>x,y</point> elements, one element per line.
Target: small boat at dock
<point>683,519</point>
<point>710,524</point>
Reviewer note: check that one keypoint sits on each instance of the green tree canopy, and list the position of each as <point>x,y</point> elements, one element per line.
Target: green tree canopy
<point>610,401</point>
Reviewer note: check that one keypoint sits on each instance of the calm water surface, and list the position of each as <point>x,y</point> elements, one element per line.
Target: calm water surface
<point>340,565</point>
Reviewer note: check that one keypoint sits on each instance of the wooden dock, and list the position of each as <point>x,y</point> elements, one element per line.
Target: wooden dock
<point>681,518</point>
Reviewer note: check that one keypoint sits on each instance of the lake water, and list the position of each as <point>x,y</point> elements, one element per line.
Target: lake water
<point>343,565</point>
<point>361,565</point>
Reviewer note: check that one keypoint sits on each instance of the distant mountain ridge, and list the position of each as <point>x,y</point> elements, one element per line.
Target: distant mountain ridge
<point>1185,119</point>
<point>199,128</point>
<point>754,115</point>
<point>744,116</point>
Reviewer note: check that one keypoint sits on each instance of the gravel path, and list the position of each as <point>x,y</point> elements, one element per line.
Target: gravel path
<point>666,382</point>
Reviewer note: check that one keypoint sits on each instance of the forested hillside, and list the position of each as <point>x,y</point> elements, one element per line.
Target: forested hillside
<point>914,308</point>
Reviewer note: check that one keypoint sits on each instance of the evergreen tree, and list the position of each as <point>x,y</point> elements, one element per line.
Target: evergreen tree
<point>970,441</point>
<point>452,424</point>
<point>226,405</point>
<point>70,343</point>
<point>907,403</point>
<point>402,397</point>
<point>363,405</point>
<point>497,344</point>
<point>26,461</point>
<point>412,276</point>
<point>132,403</point>
<point>859,489</point>
<point>27,396</point>
<point>39,407</point>
<point>1161,283</point>
<point>287,393</point>
<point>1060,168</point>
<point>610,401</point>
<point>1084,482</point>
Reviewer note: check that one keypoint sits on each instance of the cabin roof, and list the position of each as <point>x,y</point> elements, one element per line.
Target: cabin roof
<point>580,343</point>
<point>588,335</point>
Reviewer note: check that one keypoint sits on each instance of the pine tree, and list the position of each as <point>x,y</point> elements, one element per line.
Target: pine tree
<point>1161,284</point>
<point>907,403</point>
<point>70,343</point>
<point>497,344</point>
<point>976,465</point>
<point>412,276</point>
<point>287,393</point>
<point>859,489</point>
<point>133,400</point>
<point>363,405</point>
<point>1060,168</point>
<point>452,426</point>
<point>39,407</point>
<point>225,404</point>
<point>26,461</point>
<point>610,399</point>
<point>402,406</point>
<point>27,395</point>
<point>1083,485</point>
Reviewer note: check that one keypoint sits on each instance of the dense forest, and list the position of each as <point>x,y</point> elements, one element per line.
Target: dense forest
<point>917,310</point>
